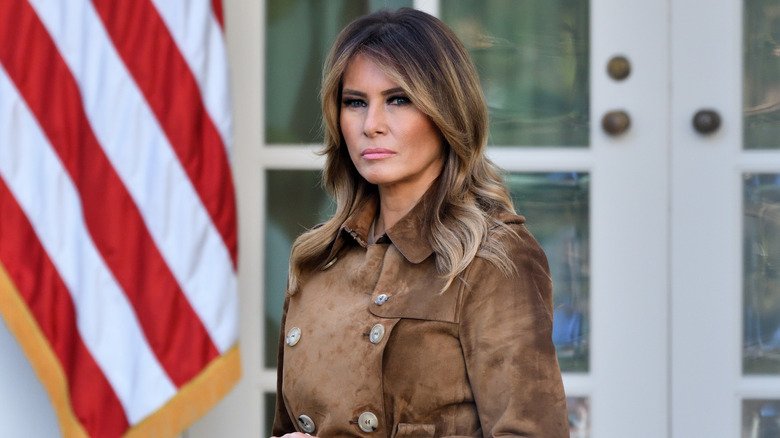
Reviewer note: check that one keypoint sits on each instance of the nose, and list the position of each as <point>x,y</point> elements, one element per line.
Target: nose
<point>375,122</point>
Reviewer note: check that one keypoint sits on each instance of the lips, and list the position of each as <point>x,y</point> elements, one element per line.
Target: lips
<point>376,153</point>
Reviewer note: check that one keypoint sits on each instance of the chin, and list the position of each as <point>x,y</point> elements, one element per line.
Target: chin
<point>376,178</point>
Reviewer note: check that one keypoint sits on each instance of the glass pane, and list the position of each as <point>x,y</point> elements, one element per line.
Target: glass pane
<point>556,206</point>
<point>762,74</point>
<point>270,407</point>
<point>533,61</point>
<point>298,36</point>
<point>761,274</point>
<point>579,417</point>
<point>760,418</point>
<point>295,201</point>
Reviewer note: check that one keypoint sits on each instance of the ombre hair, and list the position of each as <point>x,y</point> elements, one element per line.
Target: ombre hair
<point>425,58</point>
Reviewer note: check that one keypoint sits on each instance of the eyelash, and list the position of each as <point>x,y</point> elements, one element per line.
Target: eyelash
<point>392,100</point>
<point>353,103</point>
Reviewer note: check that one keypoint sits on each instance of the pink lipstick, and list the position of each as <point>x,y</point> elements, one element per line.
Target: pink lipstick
<point>376,153</point>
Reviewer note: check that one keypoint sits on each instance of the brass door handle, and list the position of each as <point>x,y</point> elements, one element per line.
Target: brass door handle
<point>615,122</point>
<point>706,121</point>
<point>619,68</point>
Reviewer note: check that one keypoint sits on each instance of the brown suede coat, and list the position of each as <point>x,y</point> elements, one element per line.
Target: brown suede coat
<point>477,360</point>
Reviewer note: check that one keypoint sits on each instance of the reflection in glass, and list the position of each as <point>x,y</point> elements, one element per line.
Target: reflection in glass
<point>579,417</point>
<point>556,206</point>
<point>762,74</point>
<point>760,418</point>
<point>295,202</point>
<point>761,249</point>
<point>533,61</point>
<point>299,34</point>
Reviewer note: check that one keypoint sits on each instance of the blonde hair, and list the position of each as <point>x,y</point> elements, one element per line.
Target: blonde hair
<point>432,66</point>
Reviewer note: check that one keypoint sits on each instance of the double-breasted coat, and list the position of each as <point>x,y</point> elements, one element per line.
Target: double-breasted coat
<point>370,345</point>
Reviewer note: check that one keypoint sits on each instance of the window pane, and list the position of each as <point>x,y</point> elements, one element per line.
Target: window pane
<point>295,201</point>
<point>298,36</point>
<point>533,61</point>
<point>760,418</point>
<point>762,74</point>
<point>269,399</point>
<point>579,417</point>
<point>556,206</point>
<point>761,274</point>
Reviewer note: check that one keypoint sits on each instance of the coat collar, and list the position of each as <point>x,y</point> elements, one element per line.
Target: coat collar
<point>408,234</point>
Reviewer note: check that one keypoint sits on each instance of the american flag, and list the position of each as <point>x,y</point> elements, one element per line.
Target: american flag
<point>118,235</point>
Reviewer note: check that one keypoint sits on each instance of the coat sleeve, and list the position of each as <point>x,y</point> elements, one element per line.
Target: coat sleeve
<point>282,422</point>
<point>506,336</point>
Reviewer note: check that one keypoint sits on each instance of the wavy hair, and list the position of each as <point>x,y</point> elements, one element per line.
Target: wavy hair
<point>428,61</point>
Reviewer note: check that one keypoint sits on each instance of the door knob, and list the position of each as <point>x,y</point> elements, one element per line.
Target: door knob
<point>619,68</point>
<point>615,122</point>
<point>706,121</point>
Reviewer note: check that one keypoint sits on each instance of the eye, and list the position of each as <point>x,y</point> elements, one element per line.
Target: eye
<point>398,100</point>
<point>353,103</point>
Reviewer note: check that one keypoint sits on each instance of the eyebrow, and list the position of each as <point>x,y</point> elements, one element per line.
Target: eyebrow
<point>362,94</point>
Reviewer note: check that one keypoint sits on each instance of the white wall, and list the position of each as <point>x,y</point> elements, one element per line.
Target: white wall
<point>25,409</point>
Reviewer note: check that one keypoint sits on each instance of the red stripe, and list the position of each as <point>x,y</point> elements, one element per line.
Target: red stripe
<point>216,5</point>
<point>161,72</point>
<point>40,286</point>
<point>174,331</point>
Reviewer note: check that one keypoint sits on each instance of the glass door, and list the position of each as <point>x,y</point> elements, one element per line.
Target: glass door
<point>578,122</point>
<point>534,63</point>
<point>726,218</point>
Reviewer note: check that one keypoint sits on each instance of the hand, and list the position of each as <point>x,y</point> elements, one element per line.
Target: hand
<point>295,435</point>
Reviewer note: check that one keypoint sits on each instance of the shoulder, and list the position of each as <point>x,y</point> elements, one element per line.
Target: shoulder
<point>508,230</point>
<point>527,281</point>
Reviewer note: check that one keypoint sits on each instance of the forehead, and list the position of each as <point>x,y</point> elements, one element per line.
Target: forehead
<point>363,72</point>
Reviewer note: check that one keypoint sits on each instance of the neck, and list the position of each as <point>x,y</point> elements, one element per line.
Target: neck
<point>395,204</point>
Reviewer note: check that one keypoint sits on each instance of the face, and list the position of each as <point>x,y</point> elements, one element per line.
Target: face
<point>391,142</point>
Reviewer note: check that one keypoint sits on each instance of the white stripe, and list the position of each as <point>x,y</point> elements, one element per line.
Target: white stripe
<point>195,30</point>
<point>139,151</point>
<point>105,320</point>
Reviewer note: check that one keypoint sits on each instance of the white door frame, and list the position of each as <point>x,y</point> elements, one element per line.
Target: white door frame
<point>707,218</point>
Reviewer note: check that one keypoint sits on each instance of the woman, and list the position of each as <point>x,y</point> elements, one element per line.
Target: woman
<point>424,306</point>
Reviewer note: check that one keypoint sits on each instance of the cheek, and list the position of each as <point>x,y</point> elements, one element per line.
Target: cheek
<point>347,127</point>
<point>351,136</point>
<point>428,133</point>
<point>351,144</point>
